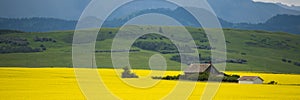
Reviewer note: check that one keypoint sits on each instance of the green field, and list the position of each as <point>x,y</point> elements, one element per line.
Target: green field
<point>264,51</point>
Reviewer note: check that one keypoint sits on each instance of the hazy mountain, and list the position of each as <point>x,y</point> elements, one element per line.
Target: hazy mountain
<point>36,24</point>
<point>283,23</point>
<point>61,9</point>
<point>279,23</point>
<point>179,14</point>
<point>234,11</point>
<point>115,20</point>
<point>247,11</point>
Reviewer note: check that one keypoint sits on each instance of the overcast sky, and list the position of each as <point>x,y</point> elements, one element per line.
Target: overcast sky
<point>65,9</point>
<point>288,2</point>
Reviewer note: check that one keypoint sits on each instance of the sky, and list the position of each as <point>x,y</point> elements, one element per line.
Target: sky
<point>64,9</point>
<point>287,2</point>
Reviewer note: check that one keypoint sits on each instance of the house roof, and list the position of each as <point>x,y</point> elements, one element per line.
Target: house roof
<point>249,78</point>
<point>196,68</point>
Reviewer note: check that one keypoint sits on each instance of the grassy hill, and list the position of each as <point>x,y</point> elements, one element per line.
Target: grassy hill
<point>263,51</point>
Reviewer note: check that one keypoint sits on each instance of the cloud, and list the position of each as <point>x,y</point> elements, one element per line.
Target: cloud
<point>288,2</point>
<point>64,9</point>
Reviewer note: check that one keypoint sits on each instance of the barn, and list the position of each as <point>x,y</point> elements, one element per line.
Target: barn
<point>201,68</point>
<point>250,80</point>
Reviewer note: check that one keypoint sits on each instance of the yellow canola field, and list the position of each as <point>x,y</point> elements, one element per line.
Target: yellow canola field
<point>280,78</point>
<point>61,84</point>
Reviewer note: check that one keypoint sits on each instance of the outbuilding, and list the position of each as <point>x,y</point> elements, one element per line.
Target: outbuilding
<point>250,80</point>
<point>201,68</point>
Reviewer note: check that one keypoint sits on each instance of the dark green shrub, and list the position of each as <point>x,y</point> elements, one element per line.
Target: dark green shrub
<point>283,60</point>
<point>297,63</point>
<point>176,77</point>
<point>272,82</point>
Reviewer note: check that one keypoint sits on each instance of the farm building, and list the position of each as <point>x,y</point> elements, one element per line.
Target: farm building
<point>201,68</point>
<point>251,80</point>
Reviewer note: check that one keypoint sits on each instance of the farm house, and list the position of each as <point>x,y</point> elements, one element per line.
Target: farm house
<point>201,68</point>
<point>250,80</point>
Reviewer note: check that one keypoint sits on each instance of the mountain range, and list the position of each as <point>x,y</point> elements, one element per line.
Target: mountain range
<point>248,11</point>
<point>279,23</point>
<point>238,14</point>
<point>234,11</point>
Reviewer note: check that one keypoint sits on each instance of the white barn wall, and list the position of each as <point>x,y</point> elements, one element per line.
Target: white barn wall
<point>256,81</point>
<point>246,82</point>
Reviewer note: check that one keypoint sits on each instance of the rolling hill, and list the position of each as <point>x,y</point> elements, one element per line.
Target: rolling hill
<point>247,50</point>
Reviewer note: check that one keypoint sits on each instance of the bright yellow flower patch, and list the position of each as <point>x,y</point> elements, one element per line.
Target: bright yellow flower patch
<point>61,84</point>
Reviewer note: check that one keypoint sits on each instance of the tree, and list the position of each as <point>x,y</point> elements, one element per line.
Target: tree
<point>127,73</point>
<point>160,30</point>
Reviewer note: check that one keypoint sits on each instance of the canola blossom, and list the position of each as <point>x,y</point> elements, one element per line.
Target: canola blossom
<point>61,84</point>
